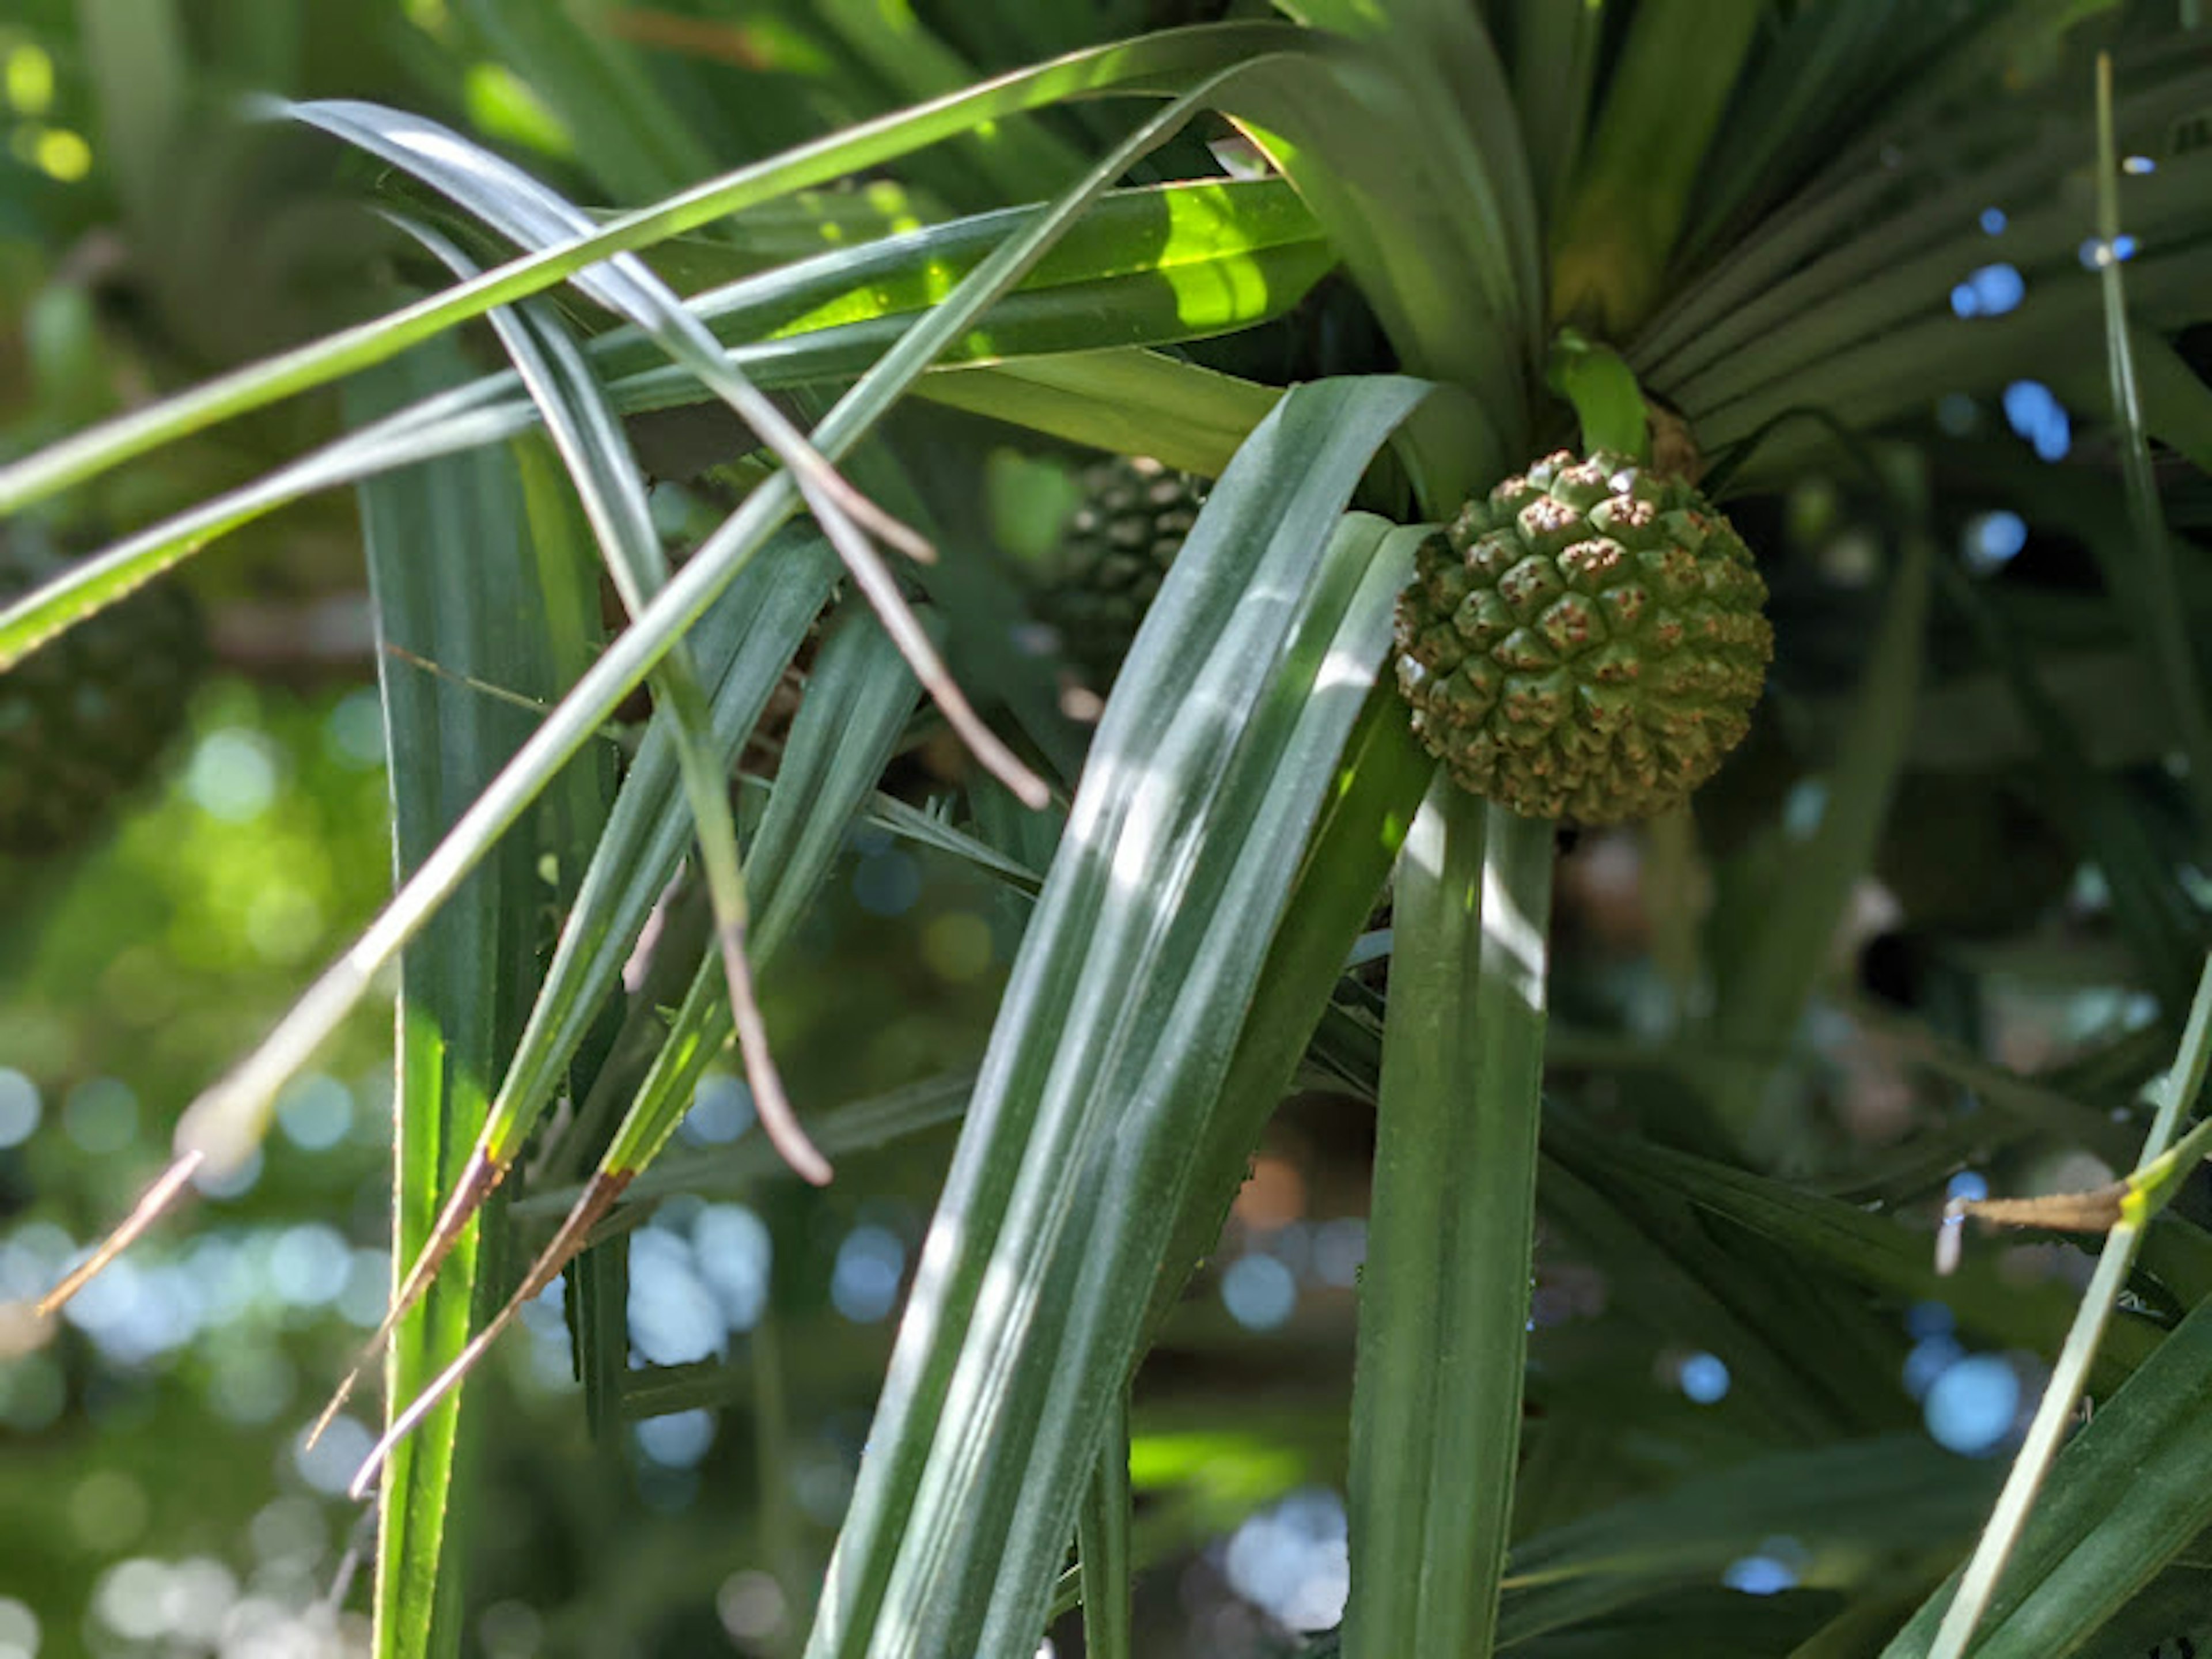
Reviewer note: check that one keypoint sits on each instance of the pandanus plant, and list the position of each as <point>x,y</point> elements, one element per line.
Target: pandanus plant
<point>1470,588</point>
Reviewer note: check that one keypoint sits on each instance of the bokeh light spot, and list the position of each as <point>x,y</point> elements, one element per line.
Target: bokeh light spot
<point>19,1107</point>
<point>217,1180</point>
<point>250,1382</point>
<point>2096,253</point>
<point>2036,415</point>
<point>310,1265</point>
<point>1338,1249</point>
<point>1992,291</point>
<point>864,1287</point>
<point>129,1599</point>
<point>674,1318</point>
<point>750,1606</point>
<point>735,1254</point>
<point>289,1530</point>
<point>1803,808</point>
<point>1703,1377</point>
<point>956,946</point>
<point>1292,1562</point>
<point>233,774</point>
<point>107,1510</point>
<point>1930,1357</point>
<point>1926,1319</point>
<point>353,732</point>
<point>1759,1575</point>
<point>29,77</point>
<point>887,883</point>
<point>61,155</point>
<point>283,922</point>
<point>721,1111</point>
<point>1957,414</point>
<point>1992,540</point>
<point>328,1466</point>
<point>315,1112</point>
<point>1968,1185</point>
<point>1971,1406</point>
<point>677,1441</point>
<point>102,1115</point>
<point>367,1288</point>
<point>1260,1291</point>
<point>19,1630</point>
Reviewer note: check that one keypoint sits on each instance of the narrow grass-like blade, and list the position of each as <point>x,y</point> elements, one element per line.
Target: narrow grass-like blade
<point>1676,1282</point>
<point>1816,71</point>
<point>2162,616</point>
<point>1860,222</point>
<point>743,645</point>
<point>1887,1492</point>
<point>1379,786</point>
<point>2177,404</point>
<point>857,706</point>
<point>1444,79</point>
<point>2155,1517</point>
<point>1876,1251</point>
<point>857,1125</point>
<point>2161,924</point>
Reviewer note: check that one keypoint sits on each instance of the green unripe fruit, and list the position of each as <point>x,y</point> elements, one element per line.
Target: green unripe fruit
<point>1587,642</point>
<point>85,717</point>
<point>1113,557</point>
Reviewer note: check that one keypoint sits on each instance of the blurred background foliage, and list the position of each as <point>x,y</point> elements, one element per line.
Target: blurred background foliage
<point>154,1496</point>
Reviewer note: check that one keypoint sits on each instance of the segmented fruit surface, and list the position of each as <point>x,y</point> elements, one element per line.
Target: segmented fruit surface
<point>1586,642</point>
<point>84,717</point>
<point>1114,555</point>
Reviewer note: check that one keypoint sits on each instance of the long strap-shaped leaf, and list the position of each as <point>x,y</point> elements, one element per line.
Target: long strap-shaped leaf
<point>1112,1043</point>
<point>653,1117</point>
<point>1443,1314</point>
<point>1214,272</point>
<point>228,1120</point>
<point>859,699</point>
<point>1163,64</point>
<point>589,437</point>
<point>592,445</point>
<point>458,1011</point>
<point>2130,1493</point>
<point>742,646</point>
<point>533,214</point>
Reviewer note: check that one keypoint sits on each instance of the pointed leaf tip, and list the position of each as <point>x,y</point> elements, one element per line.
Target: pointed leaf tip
<point>150,1209</point>
<point>599,1196</point>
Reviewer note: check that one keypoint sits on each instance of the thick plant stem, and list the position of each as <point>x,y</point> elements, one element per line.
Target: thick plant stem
<point>1436,1414</point>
